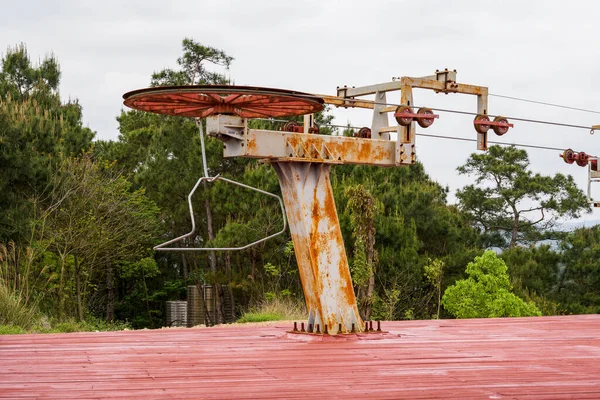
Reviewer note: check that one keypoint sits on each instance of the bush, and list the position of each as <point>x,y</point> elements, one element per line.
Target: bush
<point>487,293</point>
<point>275,309</point>
<point>11,330</point>
<point>14,310</point>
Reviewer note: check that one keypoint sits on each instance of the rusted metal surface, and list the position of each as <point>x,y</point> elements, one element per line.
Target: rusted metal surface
<point>405,116</point>
<point>500,125</point>
<point>318,245</point>
<point>441,82</point>
<point>203,100</point>
<point>581,158</point>
<point>293,126</point>
<point>593,177</point>
<point>287,146</point>
<point>509,358</point>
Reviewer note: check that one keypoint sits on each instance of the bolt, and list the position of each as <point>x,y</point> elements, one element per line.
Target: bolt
<point>370,325</point>
<point>310,328</point>
<point>340,329</point>
<point>325,329</point>
<point>302,327</point>
<point>295,326</point>
<point>317,328</point>
<point>366,326</point>
<point>353,328</point>
<point>378,326</point>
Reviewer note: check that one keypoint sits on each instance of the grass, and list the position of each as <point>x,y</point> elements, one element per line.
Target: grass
<point>45,325</point>
<point>14,310</point>
<point>277,309</point>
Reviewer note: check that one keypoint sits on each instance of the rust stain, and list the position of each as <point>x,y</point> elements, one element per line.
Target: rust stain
<point>251,145</point>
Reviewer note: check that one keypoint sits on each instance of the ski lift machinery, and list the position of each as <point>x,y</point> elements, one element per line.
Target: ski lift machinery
<point>302,159</point>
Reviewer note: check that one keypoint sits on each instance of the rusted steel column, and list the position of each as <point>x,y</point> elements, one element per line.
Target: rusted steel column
<point>318,245</point>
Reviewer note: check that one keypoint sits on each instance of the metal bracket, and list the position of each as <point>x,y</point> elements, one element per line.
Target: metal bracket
<point>593,177</point>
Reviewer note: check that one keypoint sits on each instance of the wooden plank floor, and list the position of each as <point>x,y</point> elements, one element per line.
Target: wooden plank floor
<point>520,358</point>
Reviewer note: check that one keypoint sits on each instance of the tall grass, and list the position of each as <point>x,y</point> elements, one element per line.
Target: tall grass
<point>276,309</point>
<point>16,305</point>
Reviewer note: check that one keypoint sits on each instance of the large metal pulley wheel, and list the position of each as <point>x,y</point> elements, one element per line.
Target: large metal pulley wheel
<point>363,132</point>
<point>425,122</point>
<point>481,128</point>
<point>199,101</point>
<point>404,120</point>
<point>500,129</point>
<point>582,159</point>
<point>568,156</point>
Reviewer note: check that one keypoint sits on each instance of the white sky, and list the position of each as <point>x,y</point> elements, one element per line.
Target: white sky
<point>542,50</point>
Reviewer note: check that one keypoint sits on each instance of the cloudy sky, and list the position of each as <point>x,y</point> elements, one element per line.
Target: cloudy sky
<point>540,50</point>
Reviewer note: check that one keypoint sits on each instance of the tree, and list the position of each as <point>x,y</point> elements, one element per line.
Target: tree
<point>192,67</point>
<point>362,208</point>
<point>434,272</point>
<point>579,282</point>
<point>36,132</point>
<point>509,201</point>
<point>486,293</point>
<point>94,222</point>
<point>413,224</point>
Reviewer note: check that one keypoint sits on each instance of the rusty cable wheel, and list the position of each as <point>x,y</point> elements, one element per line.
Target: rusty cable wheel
<point>582,159</point>
<point>425,122</point>
<point>404,121</point>
<point>290,126</point>
<point>482,128</point>
<point>364,133</point>
<point>199,101</point>
<point>500,130</point>
<point>568,156</point>
<point>314,129</point>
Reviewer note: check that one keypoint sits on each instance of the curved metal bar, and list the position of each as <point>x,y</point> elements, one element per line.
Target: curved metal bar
<point>209,179</point>
<point>161,247</point>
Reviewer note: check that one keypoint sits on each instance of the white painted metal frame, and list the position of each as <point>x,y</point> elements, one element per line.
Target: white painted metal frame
<point>209,179</point>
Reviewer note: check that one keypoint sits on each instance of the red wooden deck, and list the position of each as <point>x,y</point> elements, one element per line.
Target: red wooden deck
<point>521,358</point>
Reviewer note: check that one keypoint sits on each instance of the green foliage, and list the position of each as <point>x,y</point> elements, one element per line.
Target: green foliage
<point>259,317</point>
<point>11,330</point>
<point>36,131</point>
<point>275,309</point>
<point>192,66</point>
<point>579,282</point>
<point>434,272</point>
<point>44,325</point>
<point>385,306</point>
<point>486,293</point>
<point>511,204</point>
<point>361,208</point>
<point>14,309</point>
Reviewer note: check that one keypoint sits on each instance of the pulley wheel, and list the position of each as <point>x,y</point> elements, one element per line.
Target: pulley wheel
<point>425,122</point>
<point>364,133</point>
<point>568,156</point>
<point>582,159</point>
<point>199,101</point>
<point>404,121</point>
<point>500,130</point>
<point>289,126</point>
<point>482,128</point>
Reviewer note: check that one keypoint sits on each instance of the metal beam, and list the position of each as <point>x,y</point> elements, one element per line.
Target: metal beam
<point>319,246</point>
<point>289,146</point>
